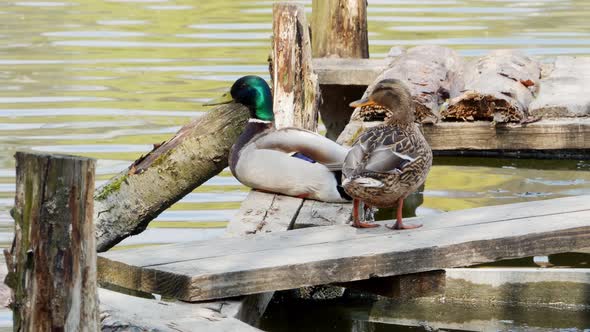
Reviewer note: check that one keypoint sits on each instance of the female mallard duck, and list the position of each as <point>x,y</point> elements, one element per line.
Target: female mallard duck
<point>388,162</point>
<point>289,161</point>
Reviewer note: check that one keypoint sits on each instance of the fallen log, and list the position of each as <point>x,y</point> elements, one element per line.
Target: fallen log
<point>126,204</point>
<point>499,87</point>
<point>432,73</point>
<point>564,92</point>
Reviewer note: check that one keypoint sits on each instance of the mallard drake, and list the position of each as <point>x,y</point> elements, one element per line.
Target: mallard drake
<point>289,161</point>
<point>390,161</point>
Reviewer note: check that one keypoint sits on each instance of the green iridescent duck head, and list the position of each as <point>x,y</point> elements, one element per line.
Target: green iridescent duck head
<point>252,92</point>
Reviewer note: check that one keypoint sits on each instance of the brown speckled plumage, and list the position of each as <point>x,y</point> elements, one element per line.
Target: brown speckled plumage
<point>397,156</point>
<point>390,161</point>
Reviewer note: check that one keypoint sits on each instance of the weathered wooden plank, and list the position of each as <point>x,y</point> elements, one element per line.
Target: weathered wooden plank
<point>260,213</point>
<point>348,71</point>
<point>498,86</point>
<point>263,213</point>
<point>315,213</point>
<point>296,92</point>
<point>121,313</point>
<point>403,287</point>
<point>203,249</point>
<point>432,73</point>
<point>565,91</point>
<point>547,134</point>
<point>330,254</point>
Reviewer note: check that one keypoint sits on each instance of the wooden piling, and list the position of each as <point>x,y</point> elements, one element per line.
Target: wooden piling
<point>126,204</point>
<point>295,85</point>
<point>52,262</point>
<point>339,29</point>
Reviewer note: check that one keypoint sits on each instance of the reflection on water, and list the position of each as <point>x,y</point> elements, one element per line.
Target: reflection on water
<point>107,79</point>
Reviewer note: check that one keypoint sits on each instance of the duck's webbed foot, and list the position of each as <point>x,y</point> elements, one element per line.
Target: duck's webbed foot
<point>399,223</point>
<point>356,219</point>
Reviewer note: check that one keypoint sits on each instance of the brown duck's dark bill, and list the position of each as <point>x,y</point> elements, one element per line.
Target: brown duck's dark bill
<point>225,98</point>
<point>362,102</point>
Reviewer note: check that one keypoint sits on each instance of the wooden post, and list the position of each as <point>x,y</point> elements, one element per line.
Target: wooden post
<point>52,263</point>
<point>339,29</point>
<point>127,203</point>
<point>295,85</point>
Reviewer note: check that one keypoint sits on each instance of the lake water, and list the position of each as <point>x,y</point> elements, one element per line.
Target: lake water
<point>106,79</point>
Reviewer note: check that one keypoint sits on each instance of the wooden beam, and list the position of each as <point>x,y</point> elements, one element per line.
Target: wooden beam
<point>358,72</point>
<point>403,287</point>
<point>313,256</point>
<point>547,134</point>
<point>126,204</point>
<point>52,263</point>
<point>296,92</point>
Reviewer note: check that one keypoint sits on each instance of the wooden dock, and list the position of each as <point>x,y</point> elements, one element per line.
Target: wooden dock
<point>230,267</point>
<point>562,104</point>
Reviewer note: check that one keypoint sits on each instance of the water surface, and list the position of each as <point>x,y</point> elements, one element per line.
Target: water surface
<point>107,79</point>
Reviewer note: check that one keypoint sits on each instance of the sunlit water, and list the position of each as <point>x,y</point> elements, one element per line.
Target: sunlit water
<point>107,79</point>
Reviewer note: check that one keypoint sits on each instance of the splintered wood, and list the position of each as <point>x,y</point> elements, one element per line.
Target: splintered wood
<point>432,73</point>
<point>296,89</point>
<point>320,255</point>
<point>498,87</point>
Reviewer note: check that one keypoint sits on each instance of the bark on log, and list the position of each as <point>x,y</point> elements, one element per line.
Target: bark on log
<point>127,203</point>
<point>52,263</point>
<point>564,92</point>
<point>499,87</point>
<point>295,85</point>
<point>432,73</point>
<point>339,29</point>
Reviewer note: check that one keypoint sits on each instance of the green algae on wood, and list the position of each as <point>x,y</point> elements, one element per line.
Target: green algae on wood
<point>126,204</point>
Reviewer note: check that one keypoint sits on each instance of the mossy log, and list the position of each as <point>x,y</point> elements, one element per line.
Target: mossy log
<point>499,87</point>
<point>52,262</point>
<point>295,86</point>
<point>432,73</point>
<point>127,203</point>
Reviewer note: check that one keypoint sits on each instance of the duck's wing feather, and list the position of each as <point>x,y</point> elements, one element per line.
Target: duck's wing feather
<point>381,150</point>
<point>315,146</point>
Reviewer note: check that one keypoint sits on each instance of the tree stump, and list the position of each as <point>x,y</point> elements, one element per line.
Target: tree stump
<point>296,91</point>
<point>52,262</point>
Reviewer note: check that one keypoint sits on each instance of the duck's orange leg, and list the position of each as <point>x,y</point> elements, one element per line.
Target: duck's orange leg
<point>355,216</point>
<point>399,224</point>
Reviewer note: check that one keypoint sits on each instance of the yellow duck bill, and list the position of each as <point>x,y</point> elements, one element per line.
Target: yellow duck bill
<point>362,102</point>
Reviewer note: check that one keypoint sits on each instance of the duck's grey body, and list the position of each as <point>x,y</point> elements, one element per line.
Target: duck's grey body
<point>263,159</point>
